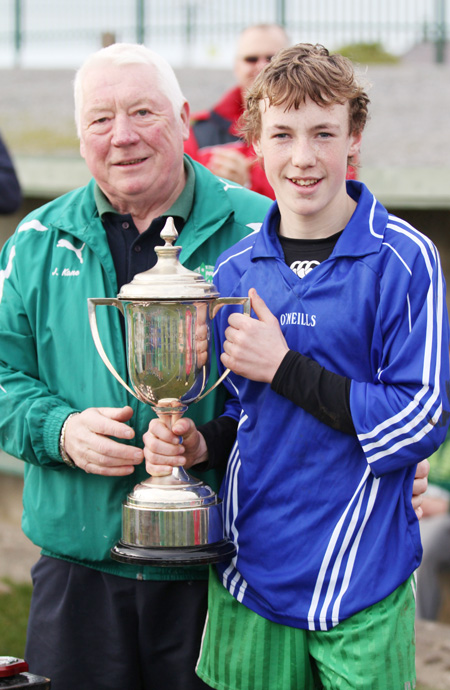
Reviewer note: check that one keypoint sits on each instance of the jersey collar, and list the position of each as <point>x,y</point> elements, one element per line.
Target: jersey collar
<point>363,234</point>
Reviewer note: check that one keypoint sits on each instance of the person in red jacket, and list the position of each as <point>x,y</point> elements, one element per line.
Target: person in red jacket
<point>214,138</point>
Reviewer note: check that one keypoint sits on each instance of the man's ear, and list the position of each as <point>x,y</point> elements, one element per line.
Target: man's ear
<point>185,119</point>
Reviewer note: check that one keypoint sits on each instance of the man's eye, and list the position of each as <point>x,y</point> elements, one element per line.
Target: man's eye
<point>100,120</point>
<point>143,112</point>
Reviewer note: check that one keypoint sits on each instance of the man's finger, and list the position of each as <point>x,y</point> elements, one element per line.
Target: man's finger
<point>119,414</point>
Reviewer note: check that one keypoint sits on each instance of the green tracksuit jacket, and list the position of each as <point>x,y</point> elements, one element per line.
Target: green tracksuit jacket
<point>49,367</point>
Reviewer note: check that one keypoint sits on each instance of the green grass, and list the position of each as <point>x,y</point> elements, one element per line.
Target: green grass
<point>14,608</point>
<point>25,136</point>
<point>367,53</point>
<point>42,141</point>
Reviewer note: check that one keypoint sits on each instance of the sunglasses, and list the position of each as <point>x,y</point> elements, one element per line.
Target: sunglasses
<point>253,59</point>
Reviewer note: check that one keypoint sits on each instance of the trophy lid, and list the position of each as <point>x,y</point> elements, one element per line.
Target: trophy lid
<point>168,279</point>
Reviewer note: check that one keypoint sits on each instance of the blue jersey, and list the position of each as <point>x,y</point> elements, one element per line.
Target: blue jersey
<point>322,520</point>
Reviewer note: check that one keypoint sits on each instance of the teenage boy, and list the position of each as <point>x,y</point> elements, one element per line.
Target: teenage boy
<point>338,389</point>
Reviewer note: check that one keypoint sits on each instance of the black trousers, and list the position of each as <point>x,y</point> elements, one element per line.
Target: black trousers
<point>88,630</point>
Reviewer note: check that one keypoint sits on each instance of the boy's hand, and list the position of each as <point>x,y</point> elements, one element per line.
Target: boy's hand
<point>165,448</point>
<point>254,348</point>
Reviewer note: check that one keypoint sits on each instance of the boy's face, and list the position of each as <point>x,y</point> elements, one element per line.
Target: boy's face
<point>305,153</point>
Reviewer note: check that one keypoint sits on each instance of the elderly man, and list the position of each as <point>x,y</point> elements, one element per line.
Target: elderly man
<point>214,139</point>
<point>94,622</point>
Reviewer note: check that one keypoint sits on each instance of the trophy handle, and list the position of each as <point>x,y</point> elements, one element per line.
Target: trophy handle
<point>214,308</point>
<point>92,304</point>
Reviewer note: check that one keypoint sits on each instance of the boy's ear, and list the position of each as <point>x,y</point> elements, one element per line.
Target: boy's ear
<point>355,144</point>
<point>257,148</point>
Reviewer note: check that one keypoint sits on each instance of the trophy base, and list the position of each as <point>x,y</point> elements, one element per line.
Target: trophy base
<point>203,554</point>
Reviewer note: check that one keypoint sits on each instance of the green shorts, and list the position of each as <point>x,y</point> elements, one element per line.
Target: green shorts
<point>374,649</point>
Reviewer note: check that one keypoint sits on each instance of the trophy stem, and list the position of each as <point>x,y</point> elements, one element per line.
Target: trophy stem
<point>178,476</point>
<point>169,411</point>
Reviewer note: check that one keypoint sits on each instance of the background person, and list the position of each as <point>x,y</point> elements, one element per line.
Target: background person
<point>214,139</point>
<point>338,390</point>
<point>95,623</point>
<point>435,535</point>
<point>10,192</point>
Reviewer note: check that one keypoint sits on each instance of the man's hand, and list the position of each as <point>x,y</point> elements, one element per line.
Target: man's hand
<point>231,164</point>
<point>420,486</point>
<point>434,505</point>
<point>89,441</point>
<point>254,348</point>
<point>165,448</point>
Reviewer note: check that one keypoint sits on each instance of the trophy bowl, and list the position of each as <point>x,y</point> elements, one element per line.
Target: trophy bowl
<point>173,519</point>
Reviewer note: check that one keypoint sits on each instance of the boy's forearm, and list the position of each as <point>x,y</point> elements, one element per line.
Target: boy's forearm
<point>320,392</point>
<point>220,436</point>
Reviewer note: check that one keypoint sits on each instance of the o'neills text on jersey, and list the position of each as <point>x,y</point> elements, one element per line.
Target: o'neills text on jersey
<point>298,318</point>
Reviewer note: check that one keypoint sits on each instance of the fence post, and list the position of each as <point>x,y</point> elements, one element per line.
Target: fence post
<point>190,26</point>
<point>140,21</point>
<point>440,40</point>
<point>17,32</point>
<point>281,13</point>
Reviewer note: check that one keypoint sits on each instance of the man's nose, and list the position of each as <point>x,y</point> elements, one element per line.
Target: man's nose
<point>262,62</point>
<point>124,133</point>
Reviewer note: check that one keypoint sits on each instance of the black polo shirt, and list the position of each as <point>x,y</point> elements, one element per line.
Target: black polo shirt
<point>132,252</point>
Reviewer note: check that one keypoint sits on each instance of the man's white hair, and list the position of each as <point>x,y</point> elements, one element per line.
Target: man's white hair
<point>129,54</point>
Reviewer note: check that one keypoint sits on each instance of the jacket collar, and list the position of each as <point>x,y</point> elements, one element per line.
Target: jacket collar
<point>210,211</point>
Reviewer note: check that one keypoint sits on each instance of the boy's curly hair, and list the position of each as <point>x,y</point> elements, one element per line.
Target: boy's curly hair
<point>300,72</point>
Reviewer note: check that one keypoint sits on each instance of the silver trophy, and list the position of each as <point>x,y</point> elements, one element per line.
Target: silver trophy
<point>173,519</point>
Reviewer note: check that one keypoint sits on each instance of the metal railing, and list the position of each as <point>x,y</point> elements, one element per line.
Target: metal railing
<point>51,33</point>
